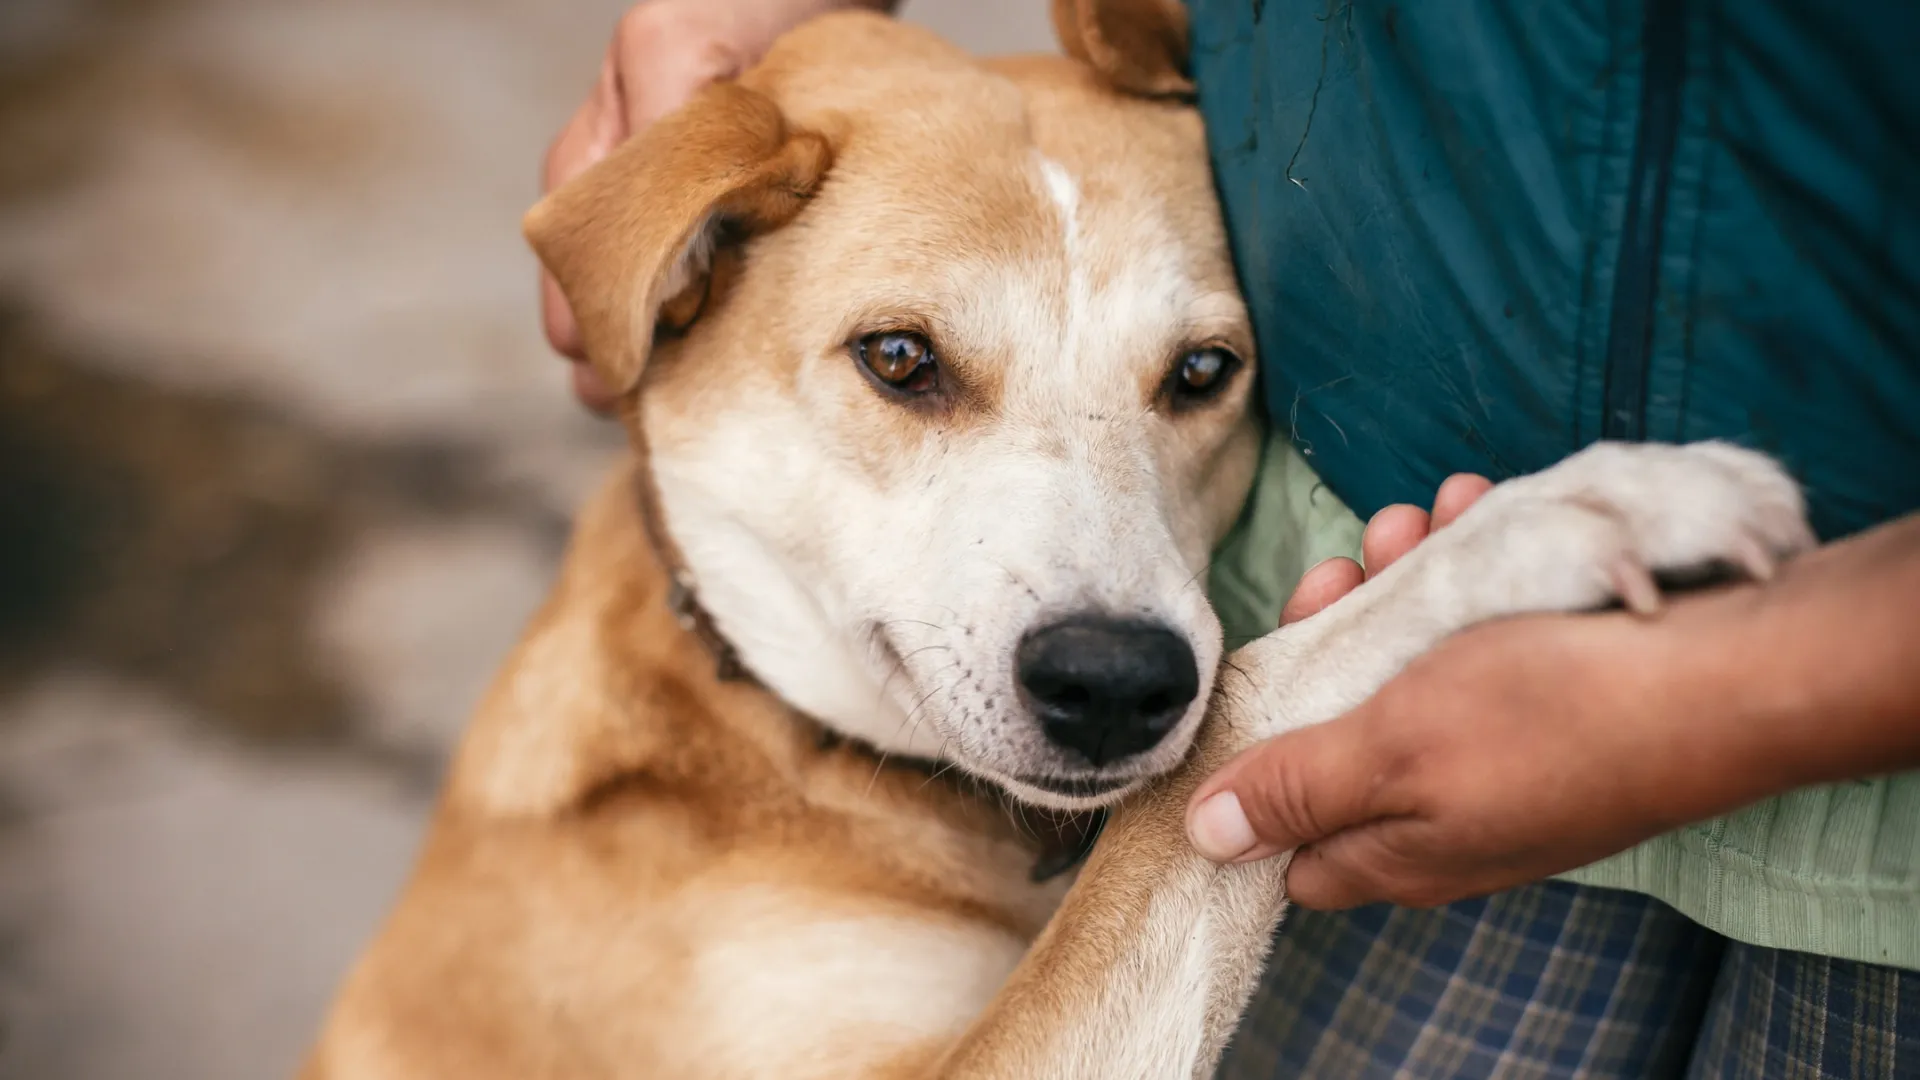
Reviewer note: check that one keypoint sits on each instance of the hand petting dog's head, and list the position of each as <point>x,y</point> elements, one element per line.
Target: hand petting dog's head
<point>944,379</point>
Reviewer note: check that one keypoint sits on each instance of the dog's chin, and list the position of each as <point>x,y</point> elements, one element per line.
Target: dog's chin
<point>1066,789</point>
<point>1072,794</point>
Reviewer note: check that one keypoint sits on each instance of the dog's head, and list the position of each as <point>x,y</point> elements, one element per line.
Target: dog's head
<point>944,381</point>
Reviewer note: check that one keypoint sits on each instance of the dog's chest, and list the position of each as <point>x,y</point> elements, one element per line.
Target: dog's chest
<point>798,982</point>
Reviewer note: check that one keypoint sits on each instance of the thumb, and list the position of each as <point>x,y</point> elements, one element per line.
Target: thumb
<point>1291,790</point>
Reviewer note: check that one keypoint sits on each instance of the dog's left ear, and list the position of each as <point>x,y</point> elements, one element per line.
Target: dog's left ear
<point>1138,46</point>
<point>630,240</point>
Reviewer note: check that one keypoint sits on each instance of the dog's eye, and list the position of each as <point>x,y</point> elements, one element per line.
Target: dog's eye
<point>1201,374</point>
<point>899,360</point>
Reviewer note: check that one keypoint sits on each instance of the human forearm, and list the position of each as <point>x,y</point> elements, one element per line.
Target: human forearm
<point>1812,678</point>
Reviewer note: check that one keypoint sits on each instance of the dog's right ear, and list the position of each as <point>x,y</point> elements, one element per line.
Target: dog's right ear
<point>630,239</point>
<point>1138,46</point>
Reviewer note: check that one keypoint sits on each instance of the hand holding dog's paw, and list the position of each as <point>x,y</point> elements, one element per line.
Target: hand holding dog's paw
<point>1526,747</point>
<point>1513,751</point>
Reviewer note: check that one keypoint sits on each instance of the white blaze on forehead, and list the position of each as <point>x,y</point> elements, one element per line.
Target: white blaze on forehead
<point>1066,198</point>
<point>1066,194</point>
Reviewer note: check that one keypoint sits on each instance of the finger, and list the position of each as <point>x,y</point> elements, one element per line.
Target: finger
<point>563,333</point>
<point>610,124</point>
<point>1290,790</point>
<point>1392,533</point>
<point>1456,493</point>
<point>578,146</point>
<point>1321,879</point>
<point>1329,580</point>
<point>591,133</point>
<point>659,63</point>
<point>1369,865</point>
<point>592,390</point>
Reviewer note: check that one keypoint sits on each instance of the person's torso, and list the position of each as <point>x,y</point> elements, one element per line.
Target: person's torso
<point>1479,234</point>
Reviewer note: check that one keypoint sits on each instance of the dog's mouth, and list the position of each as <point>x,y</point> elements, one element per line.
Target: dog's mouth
<point>1077,787</point>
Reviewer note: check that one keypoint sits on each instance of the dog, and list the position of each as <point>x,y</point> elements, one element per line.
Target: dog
<point>938,382</point>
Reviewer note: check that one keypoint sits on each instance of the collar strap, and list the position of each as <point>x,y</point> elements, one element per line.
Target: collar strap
<point>694,620</point>
<point>1068,844</point>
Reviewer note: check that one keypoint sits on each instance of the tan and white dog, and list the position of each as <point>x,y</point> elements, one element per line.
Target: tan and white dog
<point>938,382</point>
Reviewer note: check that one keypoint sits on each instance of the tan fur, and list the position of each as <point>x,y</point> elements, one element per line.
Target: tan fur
<point>623,834</point>
<point>641,870</point>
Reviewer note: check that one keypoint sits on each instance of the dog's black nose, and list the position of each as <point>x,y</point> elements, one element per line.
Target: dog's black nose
<point>1105,688</point>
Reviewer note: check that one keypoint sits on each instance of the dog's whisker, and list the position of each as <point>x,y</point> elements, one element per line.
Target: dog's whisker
<point>875,778</point>
<point>916,717</point>
<point>914,622</point>
<point>900,668</point>
<point>946,764</point>
<point>915,711</point>
<point>882,763</point>
<point>925,648</point>
<point>1194,580</point>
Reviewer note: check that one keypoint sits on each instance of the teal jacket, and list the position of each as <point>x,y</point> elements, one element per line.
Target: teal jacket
<point>1480,234</point>
<point>1477,235</point>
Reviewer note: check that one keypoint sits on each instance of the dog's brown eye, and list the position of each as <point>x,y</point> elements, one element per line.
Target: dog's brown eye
<point>900,360</point>
<point>1201,374</point>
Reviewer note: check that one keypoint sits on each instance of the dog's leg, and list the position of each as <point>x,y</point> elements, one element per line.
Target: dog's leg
<point>1145,970</point>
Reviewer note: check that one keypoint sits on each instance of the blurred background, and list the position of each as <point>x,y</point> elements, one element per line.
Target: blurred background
<point>284,464</point>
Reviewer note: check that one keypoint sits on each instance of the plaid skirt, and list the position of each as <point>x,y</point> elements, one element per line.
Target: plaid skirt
<point>1559,980</point>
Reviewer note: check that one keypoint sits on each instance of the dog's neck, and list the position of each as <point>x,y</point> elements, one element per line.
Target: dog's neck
<point>682,598</point>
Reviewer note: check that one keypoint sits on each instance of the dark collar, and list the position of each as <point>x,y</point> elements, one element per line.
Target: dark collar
<point>1066,837</point>
<point>1070,844</point>
<point>694,620</point>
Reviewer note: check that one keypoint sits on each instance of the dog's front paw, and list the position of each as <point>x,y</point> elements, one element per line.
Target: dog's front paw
<point>1609,522</point>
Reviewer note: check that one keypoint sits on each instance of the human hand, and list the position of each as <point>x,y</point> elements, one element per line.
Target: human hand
<point>1525,747</point>
<point>1391,533</point>
<point>1514,750</point>
<point>1447,783</point>
<point>662,52</point>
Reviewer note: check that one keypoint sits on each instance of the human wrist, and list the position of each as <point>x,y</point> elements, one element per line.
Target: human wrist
<point>1730,741</point>
<point>1681,724</point>
<point>1811,678</point>
<point>1834,647</point>
<point>1664,729</point>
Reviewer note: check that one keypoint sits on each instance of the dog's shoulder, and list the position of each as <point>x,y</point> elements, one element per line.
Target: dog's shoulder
<point>598,684</point>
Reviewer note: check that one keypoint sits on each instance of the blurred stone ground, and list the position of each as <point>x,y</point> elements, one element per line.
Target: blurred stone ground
<point>283,466</point>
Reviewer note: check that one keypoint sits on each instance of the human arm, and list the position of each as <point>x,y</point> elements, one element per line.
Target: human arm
<point>1530,746</point>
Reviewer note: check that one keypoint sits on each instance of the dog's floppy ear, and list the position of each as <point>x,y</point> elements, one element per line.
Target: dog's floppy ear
<point>1138,46</point>
<point>630,239</point>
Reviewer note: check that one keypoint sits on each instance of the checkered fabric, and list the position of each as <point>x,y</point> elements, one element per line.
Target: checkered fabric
<point>1559,980</point>
<point>1794,1016</point>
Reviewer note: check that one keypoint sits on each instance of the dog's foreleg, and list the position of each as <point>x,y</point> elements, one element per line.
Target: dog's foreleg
<point>1146,968</point>
<point>1144,971</point>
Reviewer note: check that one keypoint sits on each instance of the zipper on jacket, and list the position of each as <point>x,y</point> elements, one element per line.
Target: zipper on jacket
<point>1636,278</point>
